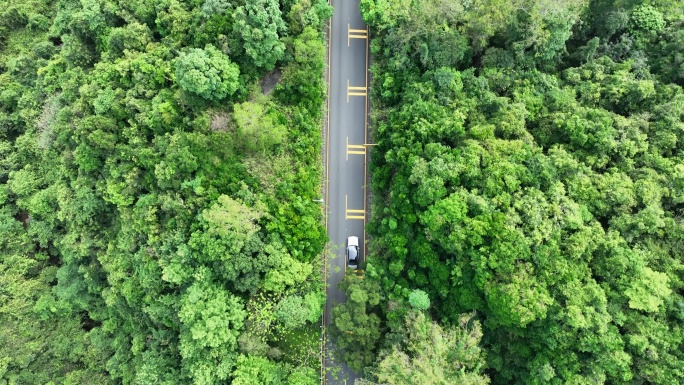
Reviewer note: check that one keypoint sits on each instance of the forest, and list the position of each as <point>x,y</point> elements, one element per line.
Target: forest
<point>527,221</point>
<point>158,161</point>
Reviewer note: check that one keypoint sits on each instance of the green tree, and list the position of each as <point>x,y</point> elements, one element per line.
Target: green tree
<point>207,73</point>
<point>42,338</point>
<point>303,375</point>
<point>429,354</point>
<point>299,85</point>
<point>294,311</point>
<point>215,7</point>
<point>355,325</point>
<point>525,189</point>
<point>308,13</point>
<point>133,36</point>
<point>258,129</point>
<point>212,319</point>
<point>131,234</point>
<point>647,18</point>
<point>419,300</point>
<point>259,23</point>
<point>256,371</point>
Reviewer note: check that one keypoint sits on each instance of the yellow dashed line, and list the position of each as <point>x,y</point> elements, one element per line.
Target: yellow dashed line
<point>355,149</point>
<point>352,213</point>
<point>355,91</point>
<point>355,34</point>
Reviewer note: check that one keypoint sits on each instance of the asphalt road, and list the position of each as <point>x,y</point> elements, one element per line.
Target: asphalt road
<point>346,159</point>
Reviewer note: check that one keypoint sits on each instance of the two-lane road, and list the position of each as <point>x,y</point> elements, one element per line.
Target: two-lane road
<point>346,155</point>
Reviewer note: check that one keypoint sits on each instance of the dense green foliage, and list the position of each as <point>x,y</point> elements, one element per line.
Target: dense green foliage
<point>530,169</point>
<point>427,354</point>
<point>207,73</point>
<point>156,214</point>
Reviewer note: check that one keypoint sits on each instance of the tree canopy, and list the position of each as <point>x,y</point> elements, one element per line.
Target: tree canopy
<point>527,169</point>
<point>207,72</point>
<point>155,229</point>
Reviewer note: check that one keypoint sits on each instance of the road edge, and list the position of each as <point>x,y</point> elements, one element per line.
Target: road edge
<point>325,132</point>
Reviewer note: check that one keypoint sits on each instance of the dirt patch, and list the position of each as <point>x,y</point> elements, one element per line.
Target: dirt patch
<point>220,121</point>
<point>24,218</point>
<point>271,80</point>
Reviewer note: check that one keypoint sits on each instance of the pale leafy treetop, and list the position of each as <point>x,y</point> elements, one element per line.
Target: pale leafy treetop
<point>231,217</point>
<point>419,299</point>
<point>649,291</point>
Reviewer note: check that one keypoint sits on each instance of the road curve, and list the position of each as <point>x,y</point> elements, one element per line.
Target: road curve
<point>346,155</point>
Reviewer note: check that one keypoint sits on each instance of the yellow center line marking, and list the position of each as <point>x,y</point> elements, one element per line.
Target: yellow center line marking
<point>355,149</point>
<point>354,91</point>
<point>349,213</point>
<point>355,34</point>
<point>365,140</point>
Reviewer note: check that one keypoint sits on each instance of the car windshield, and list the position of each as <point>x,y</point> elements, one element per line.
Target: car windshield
<point>352,252</point>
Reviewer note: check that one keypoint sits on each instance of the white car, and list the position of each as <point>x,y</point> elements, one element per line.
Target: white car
<point>353,252</point>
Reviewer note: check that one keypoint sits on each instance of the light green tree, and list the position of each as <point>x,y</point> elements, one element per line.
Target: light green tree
<point>257,128</point>
<point>419,299</point>
<point>252,370</point>
<point>294,311</point>
<point>303,375</point>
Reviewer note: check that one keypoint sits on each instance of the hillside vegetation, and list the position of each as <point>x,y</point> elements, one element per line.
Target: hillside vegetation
<point>156,214</point>
<point>528,194</point>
